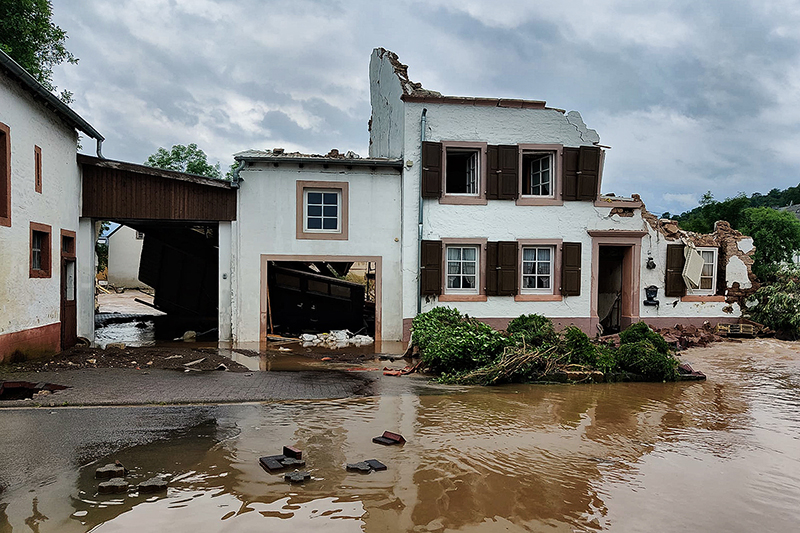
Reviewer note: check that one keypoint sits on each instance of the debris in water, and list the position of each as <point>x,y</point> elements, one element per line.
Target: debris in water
<point>297,477</point>
<point>154,484</point>
<point>388,438</point>
<point>291,451</point>
<point>113,486</point>
<point>376,465</point>
<point>110,470</point>
<point>361,466</point>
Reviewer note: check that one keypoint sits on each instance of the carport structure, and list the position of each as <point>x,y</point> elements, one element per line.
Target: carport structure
<point>186,221</point>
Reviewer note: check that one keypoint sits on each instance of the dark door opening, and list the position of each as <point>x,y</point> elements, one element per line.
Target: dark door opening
<point>69,311</point>
<point>611,292</point>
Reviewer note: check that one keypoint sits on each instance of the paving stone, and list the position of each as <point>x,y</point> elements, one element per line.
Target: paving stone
<point>297,476</point>
<point>113,486</point>
<point>376,465</point>
<point>155,484</point>
<point>361,466</point>
<point>109,471</point>
<point>290,461</point>
<point>270,464</point>
<point>384,441</point>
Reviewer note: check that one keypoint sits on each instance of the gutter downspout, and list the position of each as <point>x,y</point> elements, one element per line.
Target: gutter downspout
<point>422,124</point>
<point>236,179</point>
<point>100,148</point>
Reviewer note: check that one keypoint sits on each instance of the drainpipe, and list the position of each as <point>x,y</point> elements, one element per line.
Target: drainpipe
<point>422,125</point>
<point>100,148</point>
<point>236,179</point>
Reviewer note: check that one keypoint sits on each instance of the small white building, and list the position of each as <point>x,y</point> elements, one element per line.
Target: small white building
<point>489,205</point>
<point>124,253</point>
<point>40,198</point>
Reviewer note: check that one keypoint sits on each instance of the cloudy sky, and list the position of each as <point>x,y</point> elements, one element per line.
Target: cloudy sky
<point>691,96</point>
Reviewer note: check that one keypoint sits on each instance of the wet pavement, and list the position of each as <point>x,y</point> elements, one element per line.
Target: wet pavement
<point>717,456</point>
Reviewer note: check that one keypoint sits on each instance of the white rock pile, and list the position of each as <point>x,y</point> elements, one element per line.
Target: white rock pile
<point>340,338</point>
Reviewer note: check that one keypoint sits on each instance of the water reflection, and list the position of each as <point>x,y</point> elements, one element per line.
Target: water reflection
<point>721,455</point>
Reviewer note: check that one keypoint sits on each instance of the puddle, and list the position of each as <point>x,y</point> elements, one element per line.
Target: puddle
<point>25,390</point>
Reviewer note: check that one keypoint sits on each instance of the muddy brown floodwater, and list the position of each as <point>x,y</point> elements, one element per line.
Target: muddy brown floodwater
<point>715,456</point>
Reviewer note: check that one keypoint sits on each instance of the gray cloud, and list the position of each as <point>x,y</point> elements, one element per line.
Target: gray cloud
<point>692,96</point>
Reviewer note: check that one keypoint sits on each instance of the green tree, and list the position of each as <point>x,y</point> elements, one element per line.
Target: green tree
<point>28,35</point>
<point>776,235</point>
<point>182,158</point>
<point>779,303</point>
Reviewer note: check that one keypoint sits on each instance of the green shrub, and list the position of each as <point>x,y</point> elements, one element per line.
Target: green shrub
<point>642,332</point>
<point>778,304</point>
<point>535,330</point>
<point>583,351</point>
<point>450,342</point>
<point>644,358</point>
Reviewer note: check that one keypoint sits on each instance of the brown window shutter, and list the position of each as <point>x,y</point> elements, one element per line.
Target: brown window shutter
<point>492,268</point>
<point>509,172</point>
<point>571,269</point>
<point>493,171</point>
<point>569,174</point>
<point>588,172</point>
<point>507,268</point>
<point>430,276</point>
<point>673,284</point>
<point>431,169</point>
<point>722,283</point>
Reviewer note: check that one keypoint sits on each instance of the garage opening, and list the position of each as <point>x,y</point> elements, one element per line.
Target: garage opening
<point>311,297</point>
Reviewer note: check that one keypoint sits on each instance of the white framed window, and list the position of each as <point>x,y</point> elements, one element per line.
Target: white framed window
<point>462,171</point>
<point>462,269</point>
<point>537,270</point>
<point>538,174</point>
<point>708,276</point>
<point>322,210</point>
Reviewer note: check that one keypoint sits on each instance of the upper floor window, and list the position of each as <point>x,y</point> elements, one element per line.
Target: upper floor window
<point>537,174</point>
<point>462,171</point>
<point>322,209</point>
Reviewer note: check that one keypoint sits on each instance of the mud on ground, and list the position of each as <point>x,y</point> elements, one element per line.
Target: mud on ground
<point>129,357</point>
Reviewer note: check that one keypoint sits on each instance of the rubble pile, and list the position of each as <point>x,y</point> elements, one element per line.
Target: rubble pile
<point>340,338</point>
<point>679,336</point>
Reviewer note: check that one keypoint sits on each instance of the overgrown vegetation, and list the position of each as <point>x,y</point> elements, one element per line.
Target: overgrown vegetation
<point>778,304</point>
<point>463,350</point>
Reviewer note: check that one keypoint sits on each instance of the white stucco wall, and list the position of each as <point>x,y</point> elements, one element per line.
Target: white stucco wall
<point>124,253</point>
<point>387,121</point>
<point>266,224</point>
<point>27,303</point>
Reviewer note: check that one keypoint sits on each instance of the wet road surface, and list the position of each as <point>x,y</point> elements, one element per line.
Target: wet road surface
<point>721,455</point>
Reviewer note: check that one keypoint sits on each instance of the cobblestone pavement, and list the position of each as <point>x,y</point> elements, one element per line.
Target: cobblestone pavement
<point>115,386</point>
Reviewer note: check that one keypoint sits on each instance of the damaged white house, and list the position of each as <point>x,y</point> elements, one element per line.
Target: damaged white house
<point>489,205</point>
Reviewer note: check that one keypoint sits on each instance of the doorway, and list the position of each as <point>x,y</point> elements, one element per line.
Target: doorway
<point>69,310</point>
<point>610,283</point>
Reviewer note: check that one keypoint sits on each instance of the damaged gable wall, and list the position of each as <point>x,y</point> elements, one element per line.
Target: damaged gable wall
<point>735,262</point>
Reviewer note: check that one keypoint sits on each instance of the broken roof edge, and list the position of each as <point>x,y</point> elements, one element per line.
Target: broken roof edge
<point>415,92</point>
<point>332,158</point>
<point>84,159</point>
<point>50,100</point>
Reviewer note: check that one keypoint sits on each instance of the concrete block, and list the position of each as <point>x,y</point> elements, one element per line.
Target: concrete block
<point>155,484</point>
<point>376,465</point>
<point>110,470</point>
<point>297,477</point>
<point>113,486</point>
<point>291,451</point>
<point>361,466</point>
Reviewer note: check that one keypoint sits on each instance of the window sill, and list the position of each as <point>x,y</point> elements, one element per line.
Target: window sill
<point>463,200</point>
<point>40,274</point>
<point>530,200</point>
<point>322,236</point>
<point>702,298</point>
<point>462,298</point>
<point>537,298</point>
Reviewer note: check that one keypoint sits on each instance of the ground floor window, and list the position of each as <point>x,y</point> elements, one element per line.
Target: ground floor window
<point>40,251</point>
<point>462,269</point>
<point>537,269</point>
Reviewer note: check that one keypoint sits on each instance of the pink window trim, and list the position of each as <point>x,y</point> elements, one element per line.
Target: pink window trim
<point>480,198</point>
<point>558,150</point>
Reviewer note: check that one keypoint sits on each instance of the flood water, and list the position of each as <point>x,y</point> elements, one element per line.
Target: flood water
<point>716,456</point>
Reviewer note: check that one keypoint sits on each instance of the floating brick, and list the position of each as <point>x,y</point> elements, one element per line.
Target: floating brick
<point>291,451</point>
<point>388,438</point>
<point>271,463</point>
